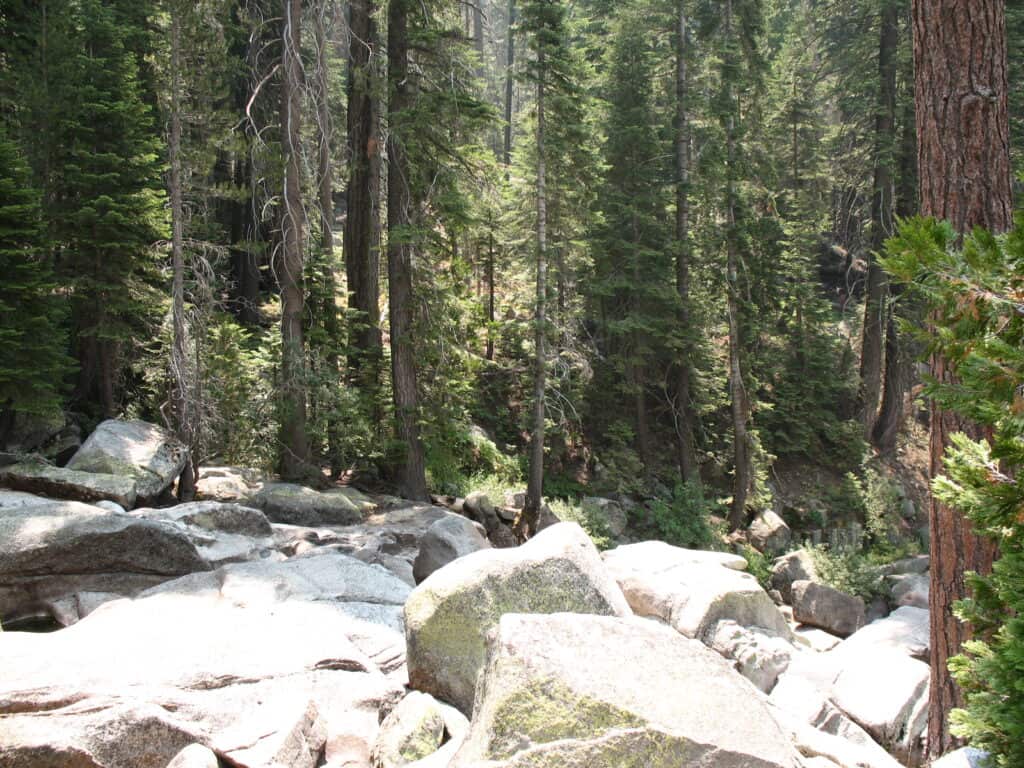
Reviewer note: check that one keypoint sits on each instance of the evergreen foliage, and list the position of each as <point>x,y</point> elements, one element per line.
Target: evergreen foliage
<point>975,293</point>
<point>33,359</point>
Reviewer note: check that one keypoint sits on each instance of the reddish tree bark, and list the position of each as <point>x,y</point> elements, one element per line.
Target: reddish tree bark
<point>964,165</point>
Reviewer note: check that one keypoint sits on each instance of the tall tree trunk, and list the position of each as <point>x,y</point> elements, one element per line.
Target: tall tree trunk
<point>689,469</point>
<point>964,166</point>
<point>326,199</point>
<point>898,374</point>
<point>362,258</point>
<point>743,477</point>
<point>412,479</point>
<point>490,295</point>
<point>873,334</point>
<point>294,444</point>
<point>181,395</point>
<point>510,63</point>
<point>526,526</point>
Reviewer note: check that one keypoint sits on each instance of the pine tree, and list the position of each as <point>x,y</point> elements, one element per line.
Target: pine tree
<point>33,360</point>
<point>107,201</point>
<point>631,258</point>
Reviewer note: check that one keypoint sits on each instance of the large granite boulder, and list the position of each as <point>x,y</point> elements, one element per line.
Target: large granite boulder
<point>910,589</point>
<point>603,692</point>
<point>692,591</point>
<point>38,477</point>
<point>228,484</point>
<point>769,533</point>
<point>298,505</point>
<point>478,507</point>
<point>52,550</point>
<point>872,678</point>
<point>148,454</point>
<point>448,616</point>
<point>795,566</point>
<point>222,532</point>
<point>905,630</point>
<point>446,540</point>
<point>264,663</point>
<point>826,607</point>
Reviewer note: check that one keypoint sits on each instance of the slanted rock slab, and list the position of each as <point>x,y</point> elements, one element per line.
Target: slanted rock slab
<point>691,590</point>
<point>605,692</point>
<point>64,483</point>
<point>149,454</point>
<point>53,550</point>
<point>448,616</point>
<point>298,505</point>
<point>827,608</point>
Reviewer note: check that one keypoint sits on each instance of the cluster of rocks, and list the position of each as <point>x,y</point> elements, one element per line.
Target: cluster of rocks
<point>274,625</point>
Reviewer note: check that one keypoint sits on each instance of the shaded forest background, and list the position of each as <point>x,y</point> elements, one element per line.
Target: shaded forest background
<point>314,235</point>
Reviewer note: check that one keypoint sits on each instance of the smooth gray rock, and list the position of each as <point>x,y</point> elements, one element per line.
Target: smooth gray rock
<point>206,649</point>
<point>758,656</point>
<point>967,757</point>
<point>50,551</point>
<point>604,692</point>
<point>478,507</point>
<point>148,454</point>
<point>64,483</point>
<point>769,533</point>
<point>194,756</point>
<point>228,484</point>
<point>910,589</point>
<point>446,540</point>
<point>827,608</point>
<point>691,590</point>
<point>448,616</point>
<point>213,516</point>
<point>795,566</point>
<point>298,505</point>
<point>905,630</point>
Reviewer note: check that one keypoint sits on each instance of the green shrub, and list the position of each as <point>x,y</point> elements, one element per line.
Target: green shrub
<point>759,565</point>
<point>684,519</point>
<point>849,570</point>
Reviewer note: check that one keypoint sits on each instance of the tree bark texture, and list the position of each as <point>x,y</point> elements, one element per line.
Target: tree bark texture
<point>362,258</point>
<point>510,62</point>
<point>294,444</point>
<point>181,396</point>
<point>411,471</point>
<point>873,335</point>
<point>963,162</point>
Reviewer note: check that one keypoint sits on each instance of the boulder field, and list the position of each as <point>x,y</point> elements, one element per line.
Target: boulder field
<point>269,626</point>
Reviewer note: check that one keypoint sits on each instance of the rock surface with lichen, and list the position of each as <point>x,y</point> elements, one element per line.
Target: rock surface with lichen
<point>555,692</point>
<point>448,616</point>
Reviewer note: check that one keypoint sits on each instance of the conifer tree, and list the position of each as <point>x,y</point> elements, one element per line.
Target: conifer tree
<point>107,204</point>
<point>33,359</point>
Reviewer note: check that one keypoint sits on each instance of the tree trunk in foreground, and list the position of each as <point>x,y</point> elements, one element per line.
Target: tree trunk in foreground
<point>294,444</point>
<point>963,161</point>
<point>411,472</point>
